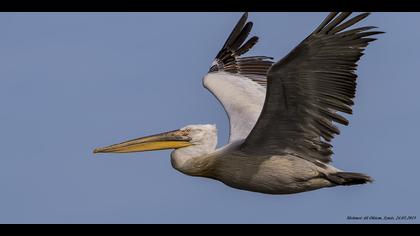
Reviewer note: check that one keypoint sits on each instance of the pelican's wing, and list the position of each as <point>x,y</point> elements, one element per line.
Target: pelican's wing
<point>239,83</point>
<point>307,88</point>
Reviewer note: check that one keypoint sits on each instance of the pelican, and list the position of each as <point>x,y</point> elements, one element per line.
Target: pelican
<point>282,114</point>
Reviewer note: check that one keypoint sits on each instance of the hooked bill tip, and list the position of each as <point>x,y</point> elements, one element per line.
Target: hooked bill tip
<point>97,150</point>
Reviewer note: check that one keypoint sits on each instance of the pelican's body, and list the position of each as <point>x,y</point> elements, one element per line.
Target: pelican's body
<point>265,174</point>
<point>281,114</point>
<point>279,174</point>
<point>273,174</point>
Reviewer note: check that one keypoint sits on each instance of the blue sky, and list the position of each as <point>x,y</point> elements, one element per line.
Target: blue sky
<point>70,82</point>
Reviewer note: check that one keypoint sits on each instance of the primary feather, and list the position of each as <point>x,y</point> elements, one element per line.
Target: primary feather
<point>307,89</point>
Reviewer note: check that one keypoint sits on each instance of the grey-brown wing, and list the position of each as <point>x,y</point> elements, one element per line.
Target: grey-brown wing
<point>308,87</point>
<point>239,82</point>
<point>229,58</point>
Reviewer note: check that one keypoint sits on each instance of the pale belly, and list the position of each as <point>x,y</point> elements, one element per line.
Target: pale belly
<point>271,175</point>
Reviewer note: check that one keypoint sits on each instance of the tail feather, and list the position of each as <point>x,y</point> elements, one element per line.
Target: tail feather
<point>349,178</point>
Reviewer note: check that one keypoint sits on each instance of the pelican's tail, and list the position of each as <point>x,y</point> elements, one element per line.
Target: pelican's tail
<point>349,178</point>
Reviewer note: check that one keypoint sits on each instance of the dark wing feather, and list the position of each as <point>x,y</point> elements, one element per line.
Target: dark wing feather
<point>228,59</point>
<point>307,88</point>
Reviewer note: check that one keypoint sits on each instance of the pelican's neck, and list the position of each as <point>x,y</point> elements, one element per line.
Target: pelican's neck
<point>195,160</point>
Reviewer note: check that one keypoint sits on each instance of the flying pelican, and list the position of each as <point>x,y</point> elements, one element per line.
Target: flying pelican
<point>281,113</point>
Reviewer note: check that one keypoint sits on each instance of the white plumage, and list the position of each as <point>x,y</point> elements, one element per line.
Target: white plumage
<point>241,98</point>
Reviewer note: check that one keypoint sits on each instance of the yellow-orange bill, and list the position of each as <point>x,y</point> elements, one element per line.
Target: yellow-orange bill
<point>169,140</point>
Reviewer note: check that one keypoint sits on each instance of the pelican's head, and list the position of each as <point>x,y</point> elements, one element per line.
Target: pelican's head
<point>204,136</point>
